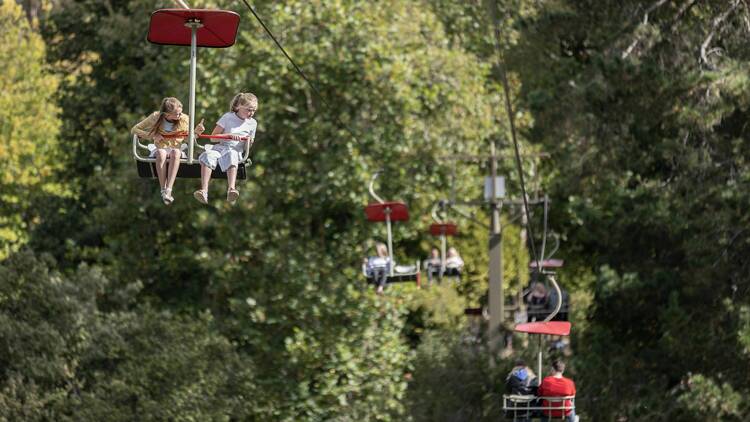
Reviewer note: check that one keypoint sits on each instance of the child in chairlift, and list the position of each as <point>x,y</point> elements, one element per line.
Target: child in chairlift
<point>453,263</point>
<point>228,154</point>
<point>167,127</point>
<point>433,265</point>
<point>377,267</point>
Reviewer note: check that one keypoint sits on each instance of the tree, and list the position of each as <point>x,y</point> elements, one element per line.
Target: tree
<point>276,271</point>
<point>29,127</point>
<point>77,348</point>
<point>642,107</point>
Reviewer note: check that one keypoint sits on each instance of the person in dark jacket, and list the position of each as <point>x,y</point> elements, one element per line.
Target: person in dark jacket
<point>521,381</point>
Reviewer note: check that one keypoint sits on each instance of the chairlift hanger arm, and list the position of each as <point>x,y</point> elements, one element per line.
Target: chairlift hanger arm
<point>371,188</point>
<point>559,299</point>
<point>557,245</point>
<point>441,204</point>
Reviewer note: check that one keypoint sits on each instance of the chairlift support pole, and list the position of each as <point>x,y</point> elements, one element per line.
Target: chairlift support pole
<point>443,237</point>
<point>539,356</point>
<point>443,244</point>
<point>193,24</point>
<point>390,239</point>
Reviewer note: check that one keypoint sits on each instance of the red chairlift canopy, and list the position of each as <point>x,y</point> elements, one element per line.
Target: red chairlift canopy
<point>555,328</point>
<point>377,212</point>
<point>219,28</point>
<point>548,263</point>
<point>448,229</point>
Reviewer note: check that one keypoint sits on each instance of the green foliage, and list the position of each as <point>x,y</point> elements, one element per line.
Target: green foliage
<point>29,127</point>
<point>641,107</point>
<point>707,400</point>
<point>64,358</point>
<point>441,307</point>
<point>453,380</point>
<point>643,120</point>
<point>276,271</point>
<point>744,332</point>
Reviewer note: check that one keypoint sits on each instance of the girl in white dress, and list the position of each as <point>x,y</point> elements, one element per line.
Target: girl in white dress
<point>228,154</point>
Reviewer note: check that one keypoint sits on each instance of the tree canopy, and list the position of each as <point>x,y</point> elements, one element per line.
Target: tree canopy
<point>630,117</point>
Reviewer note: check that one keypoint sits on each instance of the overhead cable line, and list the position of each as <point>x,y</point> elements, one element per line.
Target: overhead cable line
<point>509,110</point>
<point>511,120</point>
<point>300,71</point>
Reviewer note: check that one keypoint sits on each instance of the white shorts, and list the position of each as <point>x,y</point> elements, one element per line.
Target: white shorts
<point>226,154</point>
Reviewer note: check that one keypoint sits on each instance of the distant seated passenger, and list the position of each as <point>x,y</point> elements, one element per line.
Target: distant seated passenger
<point>537,301</point>
<point>556,385</point>
<point>433,265</point>
<point>521,381</point>
<point>377,267</point>
<point>453,263</point>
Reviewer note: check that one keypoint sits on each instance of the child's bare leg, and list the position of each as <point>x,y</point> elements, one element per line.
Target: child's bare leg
<point>161,159</point>
<point>174,165</point>
<point>231,177</point>
<point>205,177</point>
<point>202,194</point>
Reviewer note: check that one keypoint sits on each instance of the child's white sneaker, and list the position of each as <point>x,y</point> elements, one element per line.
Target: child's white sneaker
<point>232,195</point>
<point>201,196</point>
<point>166,196</point>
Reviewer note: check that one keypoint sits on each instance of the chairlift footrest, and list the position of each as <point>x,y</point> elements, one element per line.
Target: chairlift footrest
<point>188,171</point>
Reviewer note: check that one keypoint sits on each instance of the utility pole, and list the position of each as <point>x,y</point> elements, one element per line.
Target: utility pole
<point>495,198</point>
<point>497,301</point>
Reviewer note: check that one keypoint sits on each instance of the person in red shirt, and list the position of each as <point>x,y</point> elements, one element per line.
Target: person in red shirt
<point>556,385</point>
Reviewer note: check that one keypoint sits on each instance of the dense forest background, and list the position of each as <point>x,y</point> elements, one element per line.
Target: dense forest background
<point>115,307</point>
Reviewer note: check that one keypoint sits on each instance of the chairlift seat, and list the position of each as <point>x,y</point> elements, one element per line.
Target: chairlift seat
<point>447,229</point>
<point>526,407</point>
<point>401,274</point>
<point>405,269</point>
<point>187,171</point>
<point>218,30</point>
<point>147,168</point>
<point>400,278</point>
<point>377,212</point>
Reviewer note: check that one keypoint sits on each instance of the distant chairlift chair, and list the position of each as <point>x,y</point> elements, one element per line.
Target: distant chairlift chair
<point>540,311</point>
<point>527,406</point>
<point>387,212</point>
<point>443,229</point>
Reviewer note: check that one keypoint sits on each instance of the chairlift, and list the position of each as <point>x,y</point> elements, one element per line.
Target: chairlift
<point>548,268</point>
<point>526,406</point>
<point>382,211</point>
<point>195,28</point>
<point>443,229</point>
